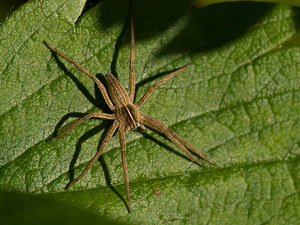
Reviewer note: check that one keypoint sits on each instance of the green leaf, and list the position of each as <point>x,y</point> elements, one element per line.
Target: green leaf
<point>239,104</point>
<point>203,3</point>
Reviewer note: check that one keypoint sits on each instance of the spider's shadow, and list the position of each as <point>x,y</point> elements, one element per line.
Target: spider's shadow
<point>165,146</point>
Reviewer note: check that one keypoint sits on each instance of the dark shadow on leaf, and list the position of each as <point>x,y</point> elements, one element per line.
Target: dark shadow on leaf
<point>118,44</point>
<point>79,85</point>
<point>63,120</point>
<point>296,17</point>
<point>203,29</point>
<point>163,145</point>
<point>106,172</point>
<point>117,49</point>
<point>98,96</point>
<point>294,41</point>
<point>8,7</point>
<point>108,181</point>
<point>151,16</point>
<point>104,125</point>
<point>88,5</point>
<point>150,79</point>
<point>215,26</point>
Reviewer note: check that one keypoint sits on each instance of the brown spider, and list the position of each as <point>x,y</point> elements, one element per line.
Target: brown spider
<point>126,115</point>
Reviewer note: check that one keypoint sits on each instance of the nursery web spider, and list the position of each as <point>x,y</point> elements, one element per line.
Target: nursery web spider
<point>126,115</point>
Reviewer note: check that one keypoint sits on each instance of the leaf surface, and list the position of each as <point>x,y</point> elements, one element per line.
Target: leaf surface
<point>239,104</point>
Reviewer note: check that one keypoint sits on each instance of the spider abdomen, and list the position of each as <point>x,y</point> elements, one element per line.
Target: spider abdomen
<point>117,92</point>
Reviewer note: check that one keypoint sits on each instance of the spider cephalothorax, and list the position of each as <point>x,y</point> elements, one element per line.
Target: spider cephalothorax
<point>126,115</point>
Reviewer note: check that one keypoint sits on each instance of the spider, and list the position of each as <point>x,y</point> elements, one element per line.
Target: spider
<point>126,115</point>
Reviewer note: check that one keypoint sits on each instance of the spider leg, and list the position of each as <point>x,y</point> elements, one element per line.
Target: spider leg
<point>78,122</point>
<point>143,128</point>
<point>123,154</point>
<point>166,78</point>
<point>190,146</point>
<point>132,47</point>
<point>107,137</point>
<point>175,138</point>
<point>95,79</point>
